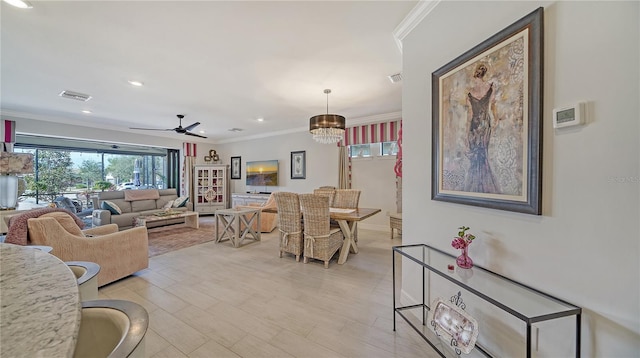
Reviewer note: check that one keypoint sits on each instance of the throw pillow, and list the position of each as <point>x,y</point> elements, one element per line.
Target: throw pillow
<point>168,205</point>
<point>112,207</point>
<point>66,221</point>
<point>180,202</point>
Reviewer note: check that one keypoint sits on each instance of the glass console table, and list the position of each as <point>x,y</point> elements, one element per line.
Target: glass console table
<point>525,303</point>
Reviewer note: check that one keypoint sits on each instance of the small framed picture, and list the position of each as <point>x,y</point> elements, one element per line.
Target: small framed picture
<point>235,168</point>
<point>298,165</point>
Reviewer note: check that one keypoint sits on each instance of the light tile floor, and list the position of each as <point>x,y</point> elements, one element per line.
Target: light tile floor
<point>213,300</point>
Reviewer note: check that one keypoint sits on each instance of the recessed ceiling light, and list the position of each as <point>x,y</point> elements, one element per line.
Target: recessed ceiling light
<point>202,132</point>
<point>86,111</point>
<point>135,83</point>
<point>260,119</point>
<point>19,3</point>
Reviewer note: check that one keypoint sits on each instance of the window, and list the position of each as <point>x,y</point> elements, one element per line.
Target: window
<point>390,148</point>
<point>78,167</point>
<point>360,151</point>
<point>373,150</point>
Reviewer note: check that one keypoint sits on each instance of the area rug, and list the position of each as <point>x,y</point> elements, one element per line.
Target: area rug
<point>175,237</point>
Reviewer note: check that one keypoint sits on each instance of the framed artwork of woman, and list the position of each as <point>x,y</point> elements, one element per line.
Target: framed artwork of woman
<point>486,120</point>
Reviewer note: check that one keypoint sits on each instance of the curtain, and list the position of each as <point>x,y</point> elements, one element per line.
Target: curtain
<point>189,150</point>
<point>371,133</point>
<point>344,168</point>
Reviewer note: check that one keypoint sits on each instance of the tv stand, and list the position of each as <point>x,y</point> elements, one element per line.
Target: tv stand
<point>243,199</point>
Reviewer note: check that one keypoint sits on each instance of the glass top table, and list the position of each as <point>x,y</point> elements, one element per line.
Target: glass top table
<point>526,303</point>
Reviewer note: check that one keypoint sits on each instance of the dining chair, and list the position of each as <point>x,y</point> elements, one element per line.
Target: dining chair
<point>321,241</point>
<point>330,192</point>
<point>347,199</point>
<point>289,223</point>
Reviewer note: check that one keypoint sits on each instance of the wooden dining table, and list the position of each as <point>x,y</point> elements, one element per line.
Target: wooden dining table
<point>347,219</point>
<point>347,222</point>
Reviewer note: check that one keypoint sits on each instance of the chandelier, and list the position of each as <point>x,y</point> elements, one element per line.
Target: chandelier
<point>327,128</point>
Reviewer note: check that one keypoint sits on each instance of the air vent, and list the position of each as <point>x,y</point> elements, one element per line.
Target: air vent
<point>395,78</point>
<point>235,130</point>
<point>75,95</point>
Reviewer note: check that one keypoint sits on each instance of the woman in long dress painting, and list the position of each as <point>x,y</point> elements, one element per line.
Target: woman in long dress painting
<point>480,119</point>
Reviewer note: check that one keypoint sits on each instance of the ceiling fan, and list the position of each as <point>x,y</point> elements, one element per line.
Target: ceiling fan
<point>178,129</point>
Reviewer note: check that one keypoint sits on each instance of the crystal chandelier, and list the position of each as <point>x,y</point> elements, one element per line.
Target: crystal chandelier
<point>327,128</point>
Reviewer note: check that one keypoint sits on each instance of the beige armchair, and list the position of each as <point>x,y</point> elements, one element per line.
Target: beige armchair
<point>119,253</point>
<point>269,221</point>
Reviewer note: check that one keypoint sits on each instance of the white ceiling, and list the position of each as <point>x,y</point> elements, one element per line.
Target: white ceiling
<point>222,63</point>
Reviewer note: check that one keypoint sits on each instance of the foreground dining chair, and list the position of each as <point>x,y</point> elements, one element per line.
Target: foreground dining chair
<point>289,223</point>
<point>321,241</point>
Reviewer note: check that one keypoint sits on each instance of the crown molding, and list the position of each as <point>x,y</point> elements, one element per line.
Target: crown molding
<point>351,122</point>
<point>415,16</point>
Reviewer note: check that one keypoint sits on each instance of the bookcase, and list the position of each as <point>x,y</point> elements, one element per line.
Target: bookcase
<point>211,188</point>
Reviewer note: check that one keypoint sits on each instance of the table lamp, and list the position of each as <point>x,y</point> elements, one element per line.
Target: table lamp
<point>11,165</point>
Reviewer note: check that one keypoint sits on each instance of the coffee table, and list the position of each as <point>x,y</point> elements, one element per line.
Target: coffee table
<point>191,218</point>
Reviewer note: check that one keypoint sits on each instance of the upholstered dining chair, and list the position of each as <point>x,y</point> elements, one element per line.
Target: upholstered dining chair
<point>289,223</point>
<point>327,191</point>
<point>321,241</point>
<point>347,199</point>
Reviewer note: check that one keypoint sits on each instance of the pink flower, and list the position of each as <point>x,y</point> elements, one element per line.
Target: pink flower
<point>459,243</point>
<point>463,239</point>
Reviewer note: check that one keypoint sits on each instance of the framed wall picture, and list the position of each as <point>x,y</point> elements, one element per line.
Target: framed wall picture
<point>235,168</point>
<point>298,165</point>
<point>487,122</point>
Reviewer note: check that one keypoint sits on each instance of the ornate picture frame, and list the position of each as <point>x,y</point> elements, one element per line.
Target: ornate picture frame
<point>236,172</point>
<point>299,165</point>
<point>487,122</point>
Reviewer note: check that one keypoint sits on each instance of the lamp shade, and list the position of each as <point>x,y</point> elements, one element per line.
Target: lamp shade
<point>327,128</point>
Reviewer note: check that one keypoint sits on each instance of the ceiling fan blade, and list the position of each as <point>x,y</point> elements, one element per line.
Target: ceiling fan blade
<point>190,127</point>
<point>195,135</point>
<point>151,129</point>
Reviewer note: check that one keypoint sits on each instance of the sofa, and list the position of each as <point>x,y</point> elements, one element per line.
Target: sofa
<point>135,203</point>
<point>119,253</point>
<point>268,221</point>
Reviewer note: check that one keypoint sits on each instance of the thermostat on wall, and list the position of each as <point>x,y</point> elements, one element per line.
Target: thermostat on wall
<point>568,116</point>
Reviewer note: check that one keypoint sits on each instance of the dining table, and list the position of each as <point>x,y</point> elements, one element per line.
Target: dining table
<point>346,219</point>
<point>40,304</point>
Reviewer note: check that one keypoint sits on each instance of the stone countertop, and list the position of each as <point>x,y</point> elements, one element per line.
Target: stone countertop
<point>40,306</point>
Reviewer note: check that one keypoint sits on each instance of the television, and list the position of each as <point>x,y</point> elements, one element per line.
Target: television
<point>262,173</point>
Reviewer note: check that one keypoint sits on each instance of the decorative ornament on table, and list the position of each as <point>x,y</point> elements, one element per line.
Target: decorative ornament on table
<point>462,242</point>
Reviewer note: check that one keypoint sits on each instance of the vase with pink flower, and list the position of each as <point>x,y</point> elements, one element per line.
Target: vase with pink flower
<point>462,242</point>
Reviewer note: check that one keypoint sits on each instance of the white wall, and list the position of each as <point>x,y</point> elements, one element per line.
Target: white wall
<point>585,246</point>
